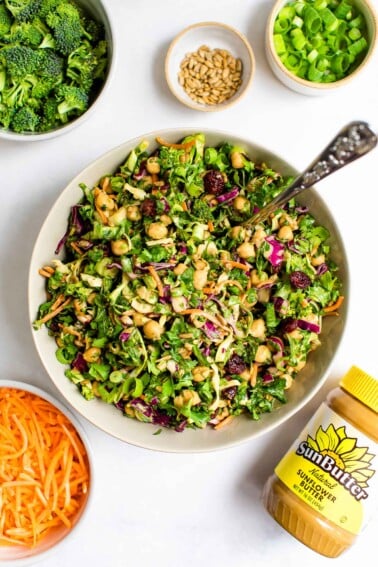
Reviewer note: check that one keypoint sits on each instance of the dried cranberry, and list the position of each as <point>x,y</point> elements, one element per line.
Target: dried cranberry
<point>300,280</point>
<point>235,365</point>
<point>230,393</point>
<point>213,182</point>
<point>288,325</point>
<point>148,208</point>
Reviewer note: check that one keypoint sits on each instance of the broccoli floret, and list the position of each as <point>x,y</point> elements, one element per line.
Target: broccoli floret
<point>25,120</point>
<point>50,64</point>
<point>25,33</point>
<point>17,95</point>
<point>5,21</point>
<point>73,101</point>
<point>66,26</point>
<point>19,60</point>
<point>93,30</point>
<point>23,10</point>
<point>81,66</point>
<point>50,115</point>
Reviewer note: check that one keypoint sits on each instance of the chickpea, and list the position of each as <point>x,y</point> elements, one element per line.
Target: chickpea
<point>263,354</point>
<point>200,279</point>
<point>157,230</point>
<point>258,328</point>
<point>258,237</point>
<point>92,354</point>
<point>201,264</point>
<point>153,165</point>
<point>165,219</point>
<point>179,269</point>
<point>140,319</point>
<point>241,204</point>
<point>237,233</point>
<point>255,278</point>
<point>152,330</point>
<point>289,380</point>
<point>133,213</point>
<point>119,247</point>
<point>237,160</point>
<point>103,201</point>
<point>187,397</point>
<point>225,256</point>
<point>116,218</point>
<point>212,249</point>
<point>246,250</point>
<point>201,373</point>
<point>285,233</point>
<point>318,260</point>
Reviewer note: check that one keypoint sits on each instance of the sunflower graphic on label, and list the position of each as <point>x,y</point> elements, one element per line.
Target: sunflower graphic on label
<point>331,467</point>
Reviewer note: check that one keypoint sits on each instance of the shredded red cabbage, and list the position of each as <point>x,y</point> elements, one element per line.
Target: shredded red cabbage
<point>275,256</point>
<point>225,197</point>
<point>123,337</point>
<point>307,326</point>
<point>79,363</point>
<point>322,269</point>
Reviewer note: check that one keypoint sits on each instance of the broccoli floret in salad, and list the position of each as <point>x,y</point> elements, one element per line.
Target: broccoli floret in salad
<point>165,305</point>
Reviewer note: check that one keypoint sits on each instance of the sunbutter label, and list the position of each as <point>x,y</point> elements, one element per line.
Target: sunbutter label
<point>332,467</point>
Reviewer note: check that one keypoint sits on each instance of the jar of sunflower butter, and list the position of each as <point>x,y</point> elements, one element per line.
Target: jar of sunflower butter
<point>325,488</point>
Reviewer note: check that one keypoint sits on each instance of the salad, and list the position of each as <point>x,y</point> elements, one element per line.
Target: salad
<point>166,306</point>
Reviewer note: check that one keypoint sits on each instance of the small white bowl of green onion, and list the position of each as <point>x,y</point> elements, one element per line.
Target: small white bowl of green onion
<point>317,46</point>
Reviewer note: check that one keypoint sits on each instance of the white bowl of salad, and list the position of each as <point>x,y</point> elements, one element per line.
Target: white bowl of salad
<point>161,318</point>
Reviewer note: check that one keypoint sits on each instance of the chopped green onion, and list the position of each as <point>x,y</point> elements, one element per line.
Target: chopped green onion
<point>312,55</point>
<point>354,34</point>
<point>340,63</point>
<point>312,20</point>
<point>320,40</point>
<point>281,25</point>
<point>330,21</point>
<point>297,22</point>
<point>344,11</point>
<point>279,44</point>
<point>298,39</point>
<point>358,46</point>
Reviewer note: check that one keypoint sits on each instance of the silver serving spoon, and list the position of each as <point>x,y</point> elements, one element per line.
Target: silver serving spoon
<point>352,142</point>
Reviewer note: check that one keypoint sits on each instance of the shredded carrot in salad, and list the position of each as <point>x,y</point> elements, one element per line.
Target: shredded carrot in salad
<point>44,472</point>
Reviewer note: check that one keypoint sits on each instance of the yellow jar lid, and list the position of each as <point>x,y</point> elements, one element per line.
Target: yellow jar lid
<point>362,386</point>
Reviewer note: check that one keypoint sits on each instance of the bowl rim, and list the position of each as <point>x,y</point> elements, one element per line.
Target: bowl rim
<point>153,444</point>
<point>312,84</point>
<point>20,385</point>
<point>236,97</point>
<point>65,128</point>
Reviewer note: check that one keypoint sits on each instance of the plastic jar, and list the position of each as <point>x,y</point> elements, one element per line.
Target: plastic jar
<point>325,488</point>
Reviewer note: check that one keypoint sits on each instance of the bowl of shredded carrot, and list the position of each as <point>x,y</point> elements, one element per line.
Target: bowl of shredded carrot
<point>45,473</point>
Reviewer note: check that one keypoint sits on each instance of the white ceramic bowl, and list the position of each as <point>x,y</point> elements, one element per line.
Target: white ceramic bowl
<point>106,417</point>
<point>20,556</point>
<point>310,88</point>
<point>214,35</point>
<point>99,12</point>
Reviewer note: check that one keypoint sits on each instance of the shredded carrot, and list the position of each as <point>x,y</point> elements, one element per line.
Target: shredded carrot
<point>335,305</point>
<point>55,312</point>
<point>210,226</point>
<point>44,471</point>
<point>232,264</point>
<point>185,146</point>
<point>157,280</point>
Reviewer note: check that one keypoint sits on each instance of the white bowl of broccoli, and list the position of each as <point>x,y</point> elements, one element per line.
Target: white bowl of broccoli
<point>56,58</point>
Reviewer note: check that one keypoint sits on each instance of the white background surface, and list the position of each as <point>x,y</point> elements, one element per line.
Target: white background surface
<point>166,510</point>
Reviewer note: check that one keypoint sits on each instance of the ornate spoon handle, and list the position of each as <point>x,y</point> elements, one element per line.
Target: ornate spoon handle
<point>353,141</point>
